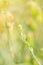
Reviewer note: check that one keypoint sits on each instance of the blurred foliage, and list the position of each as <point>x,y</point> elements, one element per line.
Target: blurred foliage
<point>21,17</point>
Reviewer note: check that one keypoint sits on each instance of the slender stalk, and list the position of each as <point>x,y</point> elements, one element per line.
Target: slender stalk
<point>31,49</point>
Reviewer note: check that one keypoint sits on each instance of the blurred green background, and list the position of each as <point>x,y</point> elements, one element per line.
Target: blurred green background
<point>21,32</point>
